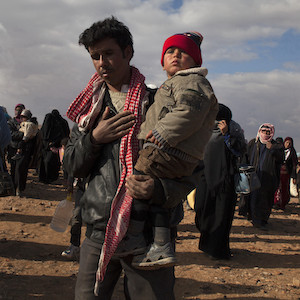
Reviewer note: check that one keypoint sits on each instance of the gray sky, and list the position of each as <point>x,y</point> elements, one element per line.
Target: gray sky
<point>251,50</point>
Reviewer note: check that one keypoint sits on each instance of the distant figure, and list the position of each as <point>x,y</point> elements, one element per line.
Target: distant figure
<point>279,140</point>
<point>266,155</point>
<point>29,127</point>
<point>53,130</point>
<point>287,171</point>
<point>215,194</point>
<point>18,109</point>
<point>5,138</point>
<point>16,136</point>
<point>23,143</point>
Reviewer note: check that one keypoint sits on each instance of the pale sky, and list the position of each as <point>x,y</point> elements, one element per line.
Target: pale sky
<point>250,47</point>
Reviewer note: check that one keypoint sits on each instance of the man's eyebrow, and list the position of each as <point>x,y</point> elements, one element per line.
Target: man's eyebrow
<point>101,50</point>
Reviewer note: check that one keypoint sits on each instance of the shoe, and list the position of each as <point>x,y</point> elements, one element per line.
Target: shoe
<point>156,257</point>
<point>71,253</point>
<point>17,156</point>
<point>131,245</point>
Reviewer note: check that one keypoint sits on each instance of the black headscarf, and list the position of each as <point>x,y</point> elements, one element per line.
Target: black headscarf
<point>215,156</point>
<point>54,128</point>
<point>224,113</point>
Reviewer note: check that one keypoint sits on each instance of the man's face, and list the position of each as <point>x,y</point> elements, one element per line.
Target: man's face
<point>176,60</point>
<point>18,111</point>
<point>266,131</point>
<point>111,63</point>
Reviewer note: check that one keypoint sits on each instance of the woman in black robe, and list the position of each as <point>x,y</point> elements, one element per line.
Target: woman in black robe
<point>53,130</point>
<point>215,195</point>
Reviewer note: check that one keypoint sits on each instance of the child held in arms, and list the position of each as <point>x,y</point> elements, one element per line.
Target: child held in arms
<point>177,127</point>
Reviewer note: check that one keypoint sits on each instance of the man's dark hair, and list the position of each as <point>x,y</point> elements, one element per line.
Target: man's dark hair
<point>108,28</point>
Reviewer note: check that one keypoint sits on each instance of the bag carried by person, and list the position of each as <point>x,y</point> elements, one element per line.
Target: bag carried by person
<point>6,184</point>
<point>191,199</point>
<point>246,181</point>
<point>293,188</point>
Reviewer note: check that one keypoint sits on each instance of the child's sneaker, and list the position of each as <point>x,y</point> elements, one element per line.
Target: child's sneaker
<point>71,253</point>
<point>155,257</point>
<point>131,245</point>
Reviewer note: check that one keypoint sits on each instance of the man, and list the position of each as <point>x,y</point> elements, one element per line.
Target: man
<point>16,137</point>
<point>109,112</point>
<point>266,155</point>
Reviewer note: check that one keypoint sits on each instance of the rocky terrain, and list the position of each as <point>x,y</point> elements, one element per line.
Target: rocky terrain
<point>265,264</point>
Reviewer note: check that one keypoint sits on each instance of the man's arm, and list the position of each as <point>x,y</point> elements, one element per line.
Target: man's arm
<point>80,154</point>
<point>277,151</point>
<point>16,135</point>
<point>163,192</point>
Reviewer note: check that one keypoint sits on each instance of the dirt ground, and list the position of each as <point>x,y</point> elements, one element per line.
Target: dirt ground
<point>265,264</point>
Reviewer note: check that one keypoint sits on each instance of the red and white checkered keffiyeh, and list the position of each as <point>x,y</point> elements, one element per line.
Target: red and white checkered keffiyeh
<point>87,105</point>
<point>81,111</point>
<point>262,136</point>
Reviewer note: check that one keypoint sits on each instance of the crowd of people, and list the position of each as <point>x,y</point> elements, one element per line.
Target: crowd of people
<point>31,146</point>
<point>135,153</point>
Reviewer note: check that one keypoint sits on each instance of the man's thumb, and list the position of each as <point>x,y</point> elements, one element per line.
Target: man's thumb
<point>106,113</point>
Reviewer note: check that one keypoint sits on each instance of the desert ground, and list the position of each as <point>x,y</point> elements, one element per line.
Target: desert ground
<point>265,264</point>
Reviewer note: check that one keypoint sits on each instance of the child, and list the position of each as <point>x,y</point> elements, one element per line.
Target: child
<point>177,127</point>
<point>29,127</point>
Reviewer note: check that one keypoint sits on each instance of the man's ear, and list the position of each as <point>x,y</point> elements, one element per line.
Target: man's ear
<point>128,52</point>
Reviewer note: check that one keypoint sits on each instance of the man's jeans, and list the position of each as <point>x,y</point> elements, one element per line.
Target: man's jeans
<point>138,284</point>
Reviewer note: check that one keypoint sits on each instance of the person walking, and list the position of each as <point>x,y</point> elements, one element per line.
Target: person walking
<point>287,172</point>
<point>16,137</point>
<point>266,155</point>
<point>22,137</point>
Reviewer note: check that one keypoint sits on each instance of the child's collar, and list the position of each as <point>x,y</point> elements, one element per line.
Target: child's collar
<point>195,70</point>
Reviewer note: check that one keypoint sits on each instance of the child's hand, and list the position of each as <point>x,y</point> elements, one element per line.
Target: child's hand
<point>149,135</point>
<point>152,139</point>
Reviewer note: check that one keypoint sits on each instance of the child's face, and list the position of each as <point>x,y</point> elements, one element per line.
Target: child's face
<point>23,119</point>
<point>176,60</point>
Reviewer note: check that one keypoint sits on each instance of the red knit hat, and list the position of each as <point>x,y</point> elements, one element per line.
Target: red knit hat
<point>189,42</point>
<point>20,105</point>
